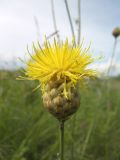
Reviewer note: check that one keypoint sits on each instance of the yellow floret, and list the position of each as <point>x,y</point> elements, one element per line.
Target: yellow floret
<point>59,61</point>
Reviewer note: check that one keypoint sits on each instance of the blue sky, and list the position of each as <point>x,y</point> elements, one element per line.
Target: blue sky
<point>17,27</point>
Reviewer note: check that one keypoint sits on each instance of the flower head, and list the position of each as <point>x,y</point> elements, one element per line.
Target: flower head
<point>60,68</point>
<point>64,62</point>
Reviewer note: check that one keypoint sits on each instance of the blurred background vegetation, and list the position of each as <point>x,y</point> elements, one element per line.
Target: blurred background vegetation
<point>29,132</point>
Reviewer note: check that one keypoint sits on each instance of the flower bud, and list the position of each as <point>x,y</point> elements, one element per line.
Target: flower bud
<point>116,32</point>
<point>57,104</point>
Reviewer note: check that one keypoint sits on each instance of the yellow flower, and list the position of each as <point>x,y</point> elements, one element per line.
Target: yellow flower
<point>59,62</point>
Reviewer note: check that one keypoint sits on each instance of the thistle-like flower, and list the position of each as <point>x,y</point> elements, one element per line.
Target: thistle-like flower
<point>60,68</point>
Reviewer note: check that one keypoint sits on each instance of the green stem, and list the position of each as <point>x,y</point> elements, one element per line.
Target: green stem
<point>70,19</point>
<point>61,140</point>
<point>79,21</point>
<point>112,57</point>
<point>54,20</point>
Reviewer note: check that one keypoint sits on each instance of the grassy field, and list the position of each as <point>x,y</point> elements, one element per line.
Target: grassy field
<point>29,132</point>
